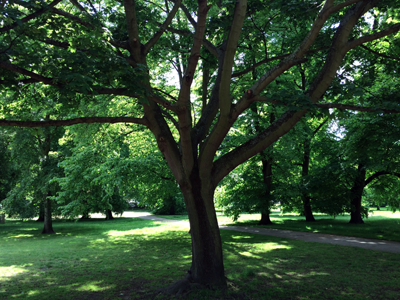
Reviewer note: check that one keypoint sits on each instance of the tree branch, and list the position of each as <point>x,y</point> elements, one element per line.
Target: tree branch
<point>72,17</point>
<point>184,113</point>
<point>229,56</point>
<point>77,5</point>
<point>30,17</point>
<point>377,174</point>
<point>392,29</point>
<point>265,60</point>
<point>74,121</point>
<point>51,81</point>
<point>164,26</point>
<point>379,54</point>
<point>19,70</point>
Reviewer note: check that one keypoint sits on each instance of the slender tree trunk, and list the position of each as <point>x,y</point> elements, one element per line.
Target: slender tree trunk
<point>267,178</point>
<point>207,261</point>
<point>356,193</point>
<point>41,212</point>
<point>109,215</point>
<point>48,224</point>
<point>305,171</point>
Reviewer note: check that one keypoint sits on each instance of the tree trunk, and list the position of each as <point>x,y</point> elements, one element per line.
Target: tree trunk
<point>109,215</point>
<point>266,161</point>
<point>207,261</point>
<point>307,210</point>
<point>48,225</point>
<point>2,218</point>
<point>356,193</point>
<point>265,220</point>
<point>267,179</point>
<point>304,172</point>
<point>41,212</point>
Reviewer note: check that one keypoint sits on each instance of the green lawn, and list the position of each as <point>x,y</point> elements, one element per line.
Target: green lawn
<point>379,225</point>
<point>128,258</point>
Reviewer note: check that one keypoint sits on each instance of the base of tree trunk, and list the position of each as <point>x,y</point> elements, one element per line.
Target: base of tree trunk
<point>265,220</point>
<point>310,219</point>
<point>109,215</point>
<point>182,288</point>
<point>356,219</point>
<point>47,231</point>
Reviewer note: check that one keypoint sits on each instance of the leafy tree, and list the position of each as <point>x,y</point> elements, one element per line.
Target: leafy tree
<point>35,153</point>
<point>119,48</point>
<point>365,156</point>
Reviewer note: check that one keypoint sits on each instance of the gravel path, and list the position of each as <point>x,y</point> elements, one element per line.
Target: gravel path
<point>371,244</point>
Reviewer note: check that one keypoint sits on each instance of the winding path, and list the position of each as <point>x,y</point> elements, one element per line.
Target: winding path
<point>370,244</point>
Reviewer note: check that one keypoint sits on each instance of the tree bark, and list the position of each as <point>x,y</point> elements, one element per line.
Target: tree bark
<point>48,224</point>
<point>207,261</point>
<point>356,193</point>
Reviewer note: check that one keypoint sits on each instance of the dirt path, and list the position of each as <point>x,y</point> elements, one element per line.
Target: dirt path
<point>370,244</point>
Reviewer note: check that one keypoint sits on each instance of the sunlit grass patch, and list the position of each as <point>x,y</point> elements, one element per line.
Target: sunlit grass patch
<point>11,271</point>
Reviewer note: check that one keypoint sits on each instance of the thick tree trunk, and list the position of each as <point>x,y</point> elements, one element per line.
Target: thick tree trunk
<point>356,193</point>
<point>265,220</point>
<point>109,215</point>
<point>207,261</point>
<point>48,224</point>
<point>41,212</point>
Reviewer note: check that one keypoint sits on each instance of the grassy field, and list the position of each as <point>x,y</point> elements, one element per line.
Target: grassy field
<point>379,225</point>
<point>128,258</point>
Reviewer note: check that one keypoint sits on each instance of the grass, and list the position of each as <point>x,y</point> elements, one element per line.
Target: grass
<point>379,225</point>
<point>128,257</point>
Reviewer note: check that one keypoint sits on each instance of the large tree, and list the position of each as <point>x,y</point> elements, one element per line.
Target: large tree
<point>86,49</point>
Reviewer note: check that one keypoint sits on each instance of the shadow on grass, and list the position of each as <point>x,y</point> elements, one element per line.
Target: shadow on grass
<point>126,260</point>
